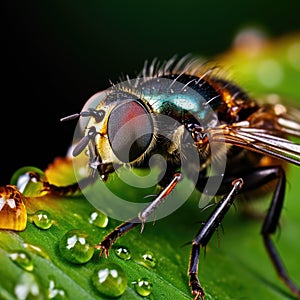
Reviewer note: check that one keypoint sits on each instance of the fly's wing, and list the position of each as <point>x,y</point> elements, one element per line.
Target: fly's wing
<point>264,141</point>
<point>290,122</point>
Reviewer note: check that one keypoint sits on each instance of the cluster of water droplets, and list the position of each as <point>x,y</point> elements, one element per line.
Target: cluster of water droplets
<point>28,285</point>
<point>75,246</point>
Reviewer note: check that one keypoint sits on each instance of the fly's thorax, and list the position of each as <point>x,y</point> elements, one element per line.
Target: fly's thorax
<point>183,97</point>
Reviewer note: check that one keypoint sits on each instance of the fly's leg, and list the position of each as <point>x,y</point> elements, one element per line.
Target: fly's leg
<point>253,179</point>
<point>60,190</point>
<point>269,227</point>
<point>68,190</point>
<point>109,240</point>
<point>205,233</point>
<point>146,212</point>
<point>56,190</point>
<point>120,230</point>
<point>48,188</point>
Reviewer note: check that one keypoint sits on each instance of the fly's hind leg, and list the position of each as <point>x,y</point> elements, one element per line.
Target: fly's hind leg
<point>253,179</point>
<point>269,227</point>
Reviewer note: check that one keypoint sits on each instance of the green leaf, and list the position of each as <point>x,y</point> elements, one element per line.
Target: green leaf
<point>238,268</point>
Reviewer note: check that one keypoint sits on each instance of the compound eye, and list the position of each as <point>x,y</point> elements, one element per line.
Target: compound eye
<point>130,130</point>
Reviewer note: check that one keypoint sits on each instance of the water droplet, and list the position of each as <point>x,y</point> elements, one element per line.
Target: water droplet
<point>42,219</point>
<point>148,260</point>
<point>29,181</point>
<point>36,250</point>
<point>98,218</point>
<point>75,247</point>
<point>110,280</point>
<point>28,287</point>
<point>22,259</point>
<point>54,292</point>
<point>122,252</point>
<point>13,214</point>
<point>143,286</point>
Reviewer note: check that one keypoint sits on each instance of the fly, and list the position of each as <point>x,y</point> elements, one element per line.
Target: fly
<point>210,119</point>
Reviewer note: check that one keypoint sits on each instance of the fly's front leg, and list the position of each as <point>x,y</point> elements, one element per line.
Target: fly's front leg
<point>57,190</point>
<point>67,190</point>
<point>205,233</point>
<point>109,240</point>
<point>49,188</point>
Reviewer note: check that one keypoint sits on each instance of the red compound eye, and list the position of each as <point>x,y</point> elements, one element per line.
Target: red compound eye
<point>130,130</point>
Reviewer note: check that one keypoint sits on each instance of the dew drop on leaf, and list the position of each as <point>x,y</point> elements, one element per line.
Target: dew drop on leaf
<point>28,287</point>
<point>76,247</point>
<point>99,219</point>
<point>122,252</point>
<point>22,259</point>
<point>110,280</point>
<point>29,181</point>
<point>42,219</point>
<point>143,287</point>
<point>147,259</point>
<point>54,292</point>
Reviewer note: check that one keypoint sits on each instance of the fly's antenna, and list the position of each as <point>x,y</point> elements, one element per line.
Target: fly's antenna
<point>71,117</point>
<point>98,115</point>
<point>82,144</point>
<point>91,112</point>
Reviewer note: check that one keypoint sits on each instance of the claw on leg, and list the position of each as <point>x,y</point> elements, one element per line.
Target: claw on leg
<point>104,246</point>
<point>196,288</point>
<point>109,240</point>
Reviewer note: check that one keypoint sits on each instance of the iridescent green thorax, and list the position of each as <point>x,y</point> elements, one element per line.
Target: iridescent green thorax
<point>182,97</point>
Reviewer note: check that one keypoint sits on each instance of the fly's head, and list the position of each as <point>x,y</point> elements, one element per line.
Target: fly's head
<point>118,130</point>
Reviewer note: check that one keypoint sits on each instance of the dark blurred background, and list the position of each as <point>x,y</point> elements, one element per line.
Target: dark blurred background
<point>59,53</point>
